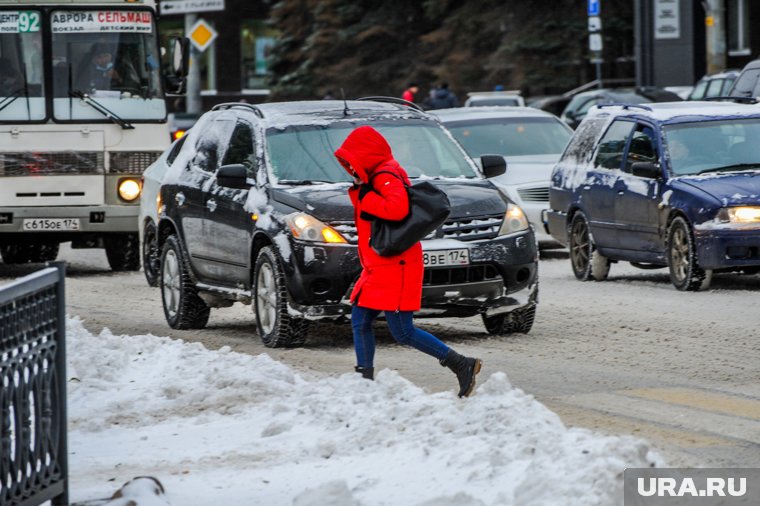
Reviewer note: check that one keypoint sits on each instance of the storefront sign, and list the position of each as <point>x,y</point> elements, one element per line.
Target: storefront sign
<point>667,19</point>
<point>101,21</point>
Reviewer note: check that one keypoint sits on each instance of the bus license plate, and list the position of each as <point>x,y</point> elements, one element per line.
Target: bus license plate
<point>50,224</point>
<point>446,257</point>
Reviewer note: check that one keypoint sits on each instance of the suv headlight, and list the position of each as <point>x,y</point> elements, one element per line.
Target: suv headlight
<point>307,228</point>
<point>514,220</point>
<point>740,215</point>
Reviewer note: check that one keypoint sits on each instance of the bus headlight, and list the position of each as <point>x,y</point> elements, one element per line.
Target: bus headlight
<point>129,189</point>
<point>514,220</point>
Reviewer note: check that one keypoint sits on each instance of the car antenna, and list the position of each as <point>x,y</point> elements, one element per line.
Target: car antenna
<point>346,112</point>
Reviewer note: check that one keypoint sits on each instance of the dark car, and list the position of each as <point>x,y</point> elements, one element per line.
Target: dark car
<point>583,102</point>
<point>255,209</point>
<point>672,185</point>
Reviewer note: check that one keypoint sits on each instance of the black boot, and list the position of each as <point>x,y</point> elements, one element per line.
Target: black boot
<point>465,368</point>
<point>366,372</point>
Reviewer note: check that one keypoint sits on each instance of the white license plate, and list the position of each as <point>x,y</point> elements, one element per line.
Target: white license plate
<point>446,257</point>
<point>50,224</point>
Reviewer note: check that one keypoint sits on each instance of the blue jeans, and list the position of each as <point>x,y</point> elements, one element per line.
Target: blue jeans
<point>402,328</point>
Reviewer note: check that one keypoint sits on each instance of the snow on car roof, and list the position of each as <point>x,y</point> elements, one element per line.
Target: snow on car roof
<point>501,111</point>
<point>323,112</point>
<point>674,112</point>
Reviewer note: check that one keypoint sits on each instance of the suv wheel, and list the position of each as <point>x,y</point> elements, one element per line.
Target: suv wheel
<point>520,320</point>
<point>123,252</point>
<point>276,326</point>
<point>151,257</point>
<point>183,308</point>
<point>685,272</point>
<point>586,261</point>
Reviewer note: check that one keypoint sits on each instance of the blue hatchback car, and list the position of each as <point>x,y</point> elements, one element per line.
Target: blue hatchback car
<point>672,185</point>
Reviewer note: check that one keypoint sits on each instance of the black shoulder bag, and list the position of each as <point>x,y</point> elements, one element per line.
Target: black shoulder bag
<point>428,209</point>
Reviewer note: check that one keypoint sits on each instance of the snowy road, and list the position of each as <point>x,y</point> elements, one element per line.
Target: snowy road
<point>627,356</point>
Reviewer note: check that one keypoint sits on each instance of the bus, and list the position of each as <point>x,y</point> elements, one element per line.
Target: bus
<point>82,115</point>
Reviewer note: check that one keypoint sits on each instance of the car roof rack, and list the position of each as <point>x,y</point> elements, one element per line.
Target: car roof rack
<point>741,100</point>
<point>625,106</point>
<point>232,105</point>
<point>392,100</point>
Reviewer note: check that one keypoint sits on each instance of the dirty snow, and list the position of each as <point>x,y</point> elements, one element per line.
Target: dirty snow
<point>218,427</point>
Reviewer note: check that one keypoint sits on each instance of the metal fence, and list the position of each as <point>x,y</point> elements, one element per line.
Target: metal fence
<point>33,446</point>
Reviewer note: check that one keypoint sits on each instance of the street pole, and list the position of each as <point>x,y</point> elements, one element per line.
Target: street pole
<point>193,95</point>
<point>716,35</point>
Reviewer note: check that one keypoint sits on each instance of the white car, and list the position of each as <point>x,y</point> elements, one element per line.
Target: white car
<point>151,183</point>
<point>529,139</point>
<point>494,98</point>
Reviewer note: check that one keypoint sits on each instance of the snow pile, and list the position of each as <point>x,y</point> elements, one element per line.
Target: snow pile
<point>228,428</point>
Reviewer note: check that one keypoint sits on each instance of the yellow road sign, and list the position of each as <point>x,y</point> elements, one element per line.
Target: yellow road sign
<point>202,35</point>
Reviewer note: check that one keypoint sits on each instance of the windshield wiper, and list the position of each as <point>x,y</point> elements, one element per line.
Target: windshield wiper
<point>87,99</point>
<point>11,98</point>
<point>730,168</point>
<point>300,182</point>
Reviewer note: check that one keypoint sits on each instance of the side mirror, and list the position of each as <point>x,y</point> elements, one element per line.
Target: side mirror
<point>233,176</point>
<point>648,170</point>
<point>493,165</point>
<point>179,60</point>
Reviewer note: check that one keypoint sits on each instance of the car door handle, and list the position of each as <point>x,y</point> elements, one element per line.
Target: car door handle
<point>180,199</point>
<point>211,205</point>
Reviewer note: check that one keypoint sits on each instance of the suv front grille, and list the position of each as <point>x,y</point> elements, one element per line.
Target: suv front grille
<point>459,275</point>
<point>131,162</point>
<point>539,194</point>
<point>469,229</point>
<point>462,229</point>
<point>51,163</point>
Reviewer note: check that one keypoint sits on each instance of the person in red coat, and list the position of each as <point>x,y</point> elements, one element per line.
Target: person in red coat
<point>388,284</point>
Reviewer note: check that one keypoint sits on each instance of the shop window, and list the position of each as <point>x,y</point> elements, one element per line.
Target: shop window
<point>738,27</point>
<point>256,42</point>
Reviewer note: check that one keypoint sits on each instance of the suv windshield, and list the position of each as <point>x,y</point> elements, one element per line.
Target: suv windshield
<point>110,56</point>
<point>511,136</point>
<point>305,153</point>
<point>713,146</point>
<point>21,77</point>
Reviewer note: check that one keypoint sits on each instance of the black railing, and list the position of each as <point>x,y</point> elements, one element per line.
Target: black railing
<point>33,446</point>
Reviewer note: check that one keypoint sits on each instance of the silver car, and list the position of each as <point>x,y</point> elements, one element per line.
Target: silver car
<point>529,139</point>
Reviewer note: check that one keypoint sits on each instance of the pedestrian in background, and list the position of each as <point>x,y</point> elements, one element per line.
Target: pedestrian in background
<point>410,93</point>
<point>442,98</point>
<point>389,284</point>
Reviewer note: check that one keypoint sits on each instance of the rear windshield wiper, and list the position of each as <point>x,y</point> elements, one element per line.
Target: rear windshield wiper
<point>730,168</point>
<point>87,99</point>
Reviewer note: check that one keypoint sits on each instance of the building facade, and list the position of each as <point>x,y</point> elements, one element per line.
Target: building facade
<point>673,45</point>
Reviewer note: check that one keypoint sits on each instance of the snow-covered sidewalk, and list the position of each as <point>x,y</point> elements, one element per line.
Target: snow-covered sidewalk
<point>218,427</point>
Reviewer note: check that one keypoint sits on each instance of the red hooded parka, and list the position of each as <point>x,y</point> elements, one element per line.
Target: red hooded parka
<point>386,283</point>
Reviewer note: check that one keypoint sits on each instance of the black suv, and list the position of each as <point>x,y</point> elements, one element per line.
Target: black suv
<point>254,208</point>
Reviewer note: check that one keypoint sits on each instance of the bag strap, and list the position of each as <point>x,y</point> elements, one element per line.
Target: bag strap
<point>387,172</point>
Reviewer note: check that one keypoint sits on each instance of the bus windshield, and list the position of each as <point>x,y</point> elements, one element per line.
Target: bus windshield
<point>21,74</point>
<point>105,60</point>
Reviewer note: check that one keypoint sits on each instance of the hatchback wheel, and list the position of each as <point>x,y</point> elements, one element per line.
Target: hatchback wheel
<point>183,308</point>
<point>151,256</point>
<point>276,326</point>
<point>685,272</point>
<point>586,261</point>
